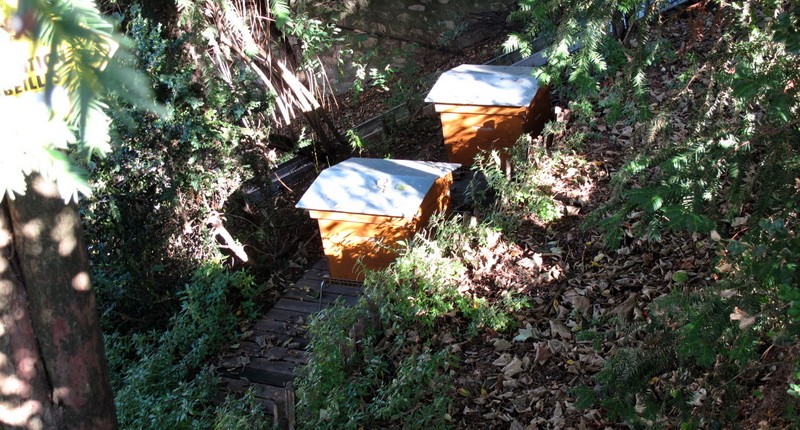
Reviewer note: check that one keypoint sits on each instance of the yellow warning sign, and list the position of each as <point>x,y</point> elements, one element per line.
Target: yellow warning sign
<point>26,66</point>
<point>29,70</point>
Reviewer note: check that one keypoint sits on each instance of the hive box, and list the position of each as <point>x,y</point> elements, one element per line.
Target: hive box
<point>365,206</point>
<point>488,107</point>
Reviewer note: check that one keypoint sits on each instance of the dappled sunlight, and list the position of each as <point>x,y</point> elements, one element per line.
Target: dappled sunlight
<point>485,108</point>
<point>62,232</point>
<point>366,207</point>
<point>33,229</point>
<point>81,282</point>
<point>23,416</point>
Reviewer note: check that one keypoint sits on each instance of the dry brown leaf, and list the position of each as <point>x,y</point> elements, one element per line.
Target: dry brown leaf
<point>745,320</point>
<point>513,368</point>
<point>625,309</point>
<point>542,353</point>
<point>501,344</point>
<point>515,425</point>
<point>558,328</point>
<point>503,360</point>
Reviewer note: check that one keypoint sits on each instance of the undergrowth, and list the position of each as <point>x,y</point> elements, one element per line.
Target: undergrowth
<point>383,362</point>
<point>162,379</point>
<point>509,189</point>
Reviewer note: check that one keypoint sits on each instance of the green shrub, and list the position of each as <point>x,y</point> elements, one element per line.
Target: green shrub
<point>147,222</point>
<point>161,379</point>
<point>518,188</point>
<point>382,363</point>
<point>730,171</point>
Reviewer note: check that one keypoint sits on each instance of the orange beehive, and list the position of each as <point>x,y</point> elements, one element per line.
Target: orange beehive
<point>366,206</point>
<point>488,107</point>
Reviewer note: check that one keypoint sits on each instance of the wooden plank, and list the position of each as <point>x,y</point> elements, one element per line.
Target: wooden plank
<point>482,110</point>
<point>272,352</point>
<point>312,296</point>
<point>289,355</point>
<point>332,287</point>
<point>266,392</point>
<point>261,371</point>
<point>315,275</point>
<point>297,306</point>
<point>287,316</point>
<point>275,367</point>
<point>285,341</point>
<point>344,290</point>
<point>279,327</point>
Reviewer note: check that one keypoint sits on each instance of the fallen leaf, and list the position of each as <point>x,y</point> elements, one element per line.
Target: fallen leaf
<point>745,320</point>
<point>524,334</point>
<point>724,267</point>
<point>501,345</point>
<point>625,309</point>
<point>513,368</point>
<point>740,221</point>
<point>558,328</point>
<point>503,360</point>
<point>542,352</point>
<point>698,397</point>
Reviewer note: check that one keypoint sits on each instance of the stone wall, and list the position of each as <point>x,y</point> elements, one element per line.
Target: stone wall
<point>436,22</point>
<point>392,27</point>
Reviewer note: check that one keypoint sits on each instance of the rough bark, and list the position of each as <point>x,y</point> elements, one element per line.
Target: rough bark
<point>24,390</point>
<point>52,262</point>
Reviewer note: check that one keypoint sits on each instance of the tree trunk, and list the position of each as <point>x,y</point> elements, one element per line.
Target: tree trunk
<point>52,362</point>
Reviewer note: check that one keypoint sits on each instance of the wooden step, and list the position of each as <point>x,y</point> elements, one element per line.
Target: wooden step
<point>275,349</point>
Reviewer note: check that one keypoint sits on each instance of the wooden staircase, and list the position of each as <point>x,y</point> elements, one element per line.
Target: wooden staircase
<point>275,347</point>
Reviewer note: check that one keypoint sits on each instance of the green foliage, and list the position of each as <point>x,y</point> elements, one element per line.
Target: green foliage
<point>381,363</point>
<point>730,171</point>
<point>167,303</point>
<point>161,379</point>
<point>243,413</point>
<point>165,176</point>
<point>356,144</point>
<point>714,334</point>
<point>353,380</point>
<point>87,60</point>
<point>518,187</point>
<point>582,27</point>
<point>742,143</point>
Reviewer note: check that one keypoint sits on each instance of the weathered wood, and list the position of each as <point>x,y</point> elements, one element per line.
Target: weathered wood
<point>276,347</point>
<point>276,353</point>
<point>265,392</point>
<point>282,327</point>
<point>298,306</point>
<point>312,295</point>
<point>283,340</point>
<point>287,316</point>
<point>262,371</point>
